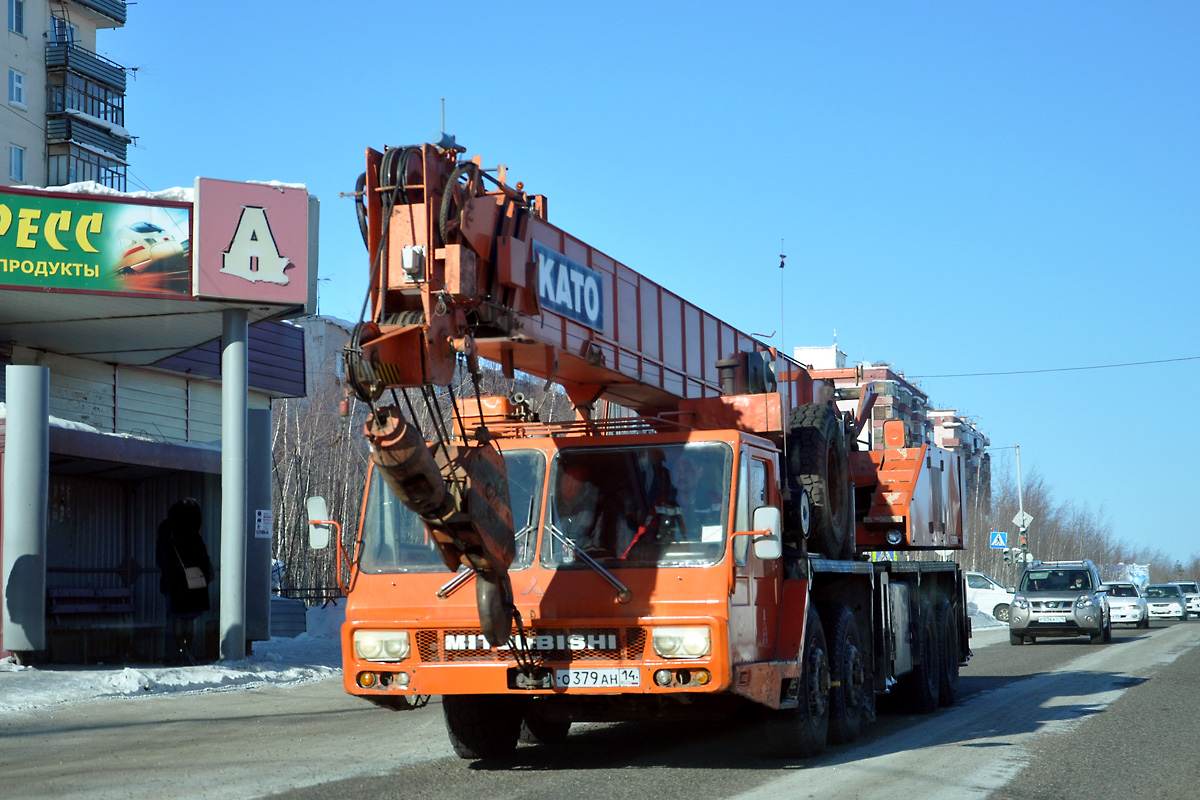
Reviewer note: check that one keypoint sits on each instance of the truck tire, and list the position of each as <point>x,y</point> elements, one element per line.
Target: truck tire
<point>536,729</point>
<point>849,666</point>
<point>818,464</point>
<point>1015,640</point>
<point>482,726</point>
<point>948,635</point>
<point>802,732</point>
<point>1000,612</point>
<point>921,686</point>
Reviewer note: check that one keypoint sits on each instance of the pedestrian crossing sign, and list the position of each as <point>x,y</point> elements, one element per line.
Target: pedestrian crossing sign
<point>999,540</point>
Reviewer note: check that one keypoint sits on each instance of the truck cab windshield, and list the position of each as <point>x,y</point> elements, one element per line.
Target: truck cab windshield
<point>638,506</point>
<point>395,539</point>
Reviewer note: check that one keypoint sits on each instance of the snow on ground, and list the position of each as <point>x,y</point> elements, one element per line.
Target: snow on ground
<point>311,656</point>
<point>981,620</point>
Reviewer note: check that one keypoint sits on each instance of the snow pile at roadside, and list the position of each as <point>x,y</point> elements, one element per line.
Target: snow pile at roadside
<point>982,619</point>
<point>309,657</point>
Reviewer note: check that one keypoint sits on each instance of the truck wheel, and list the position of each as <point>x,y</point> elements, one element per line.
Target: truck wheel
<point>1016,640</point>
<point>536,729</point>
<point>849,667</point>
<point>947,627</point>
<point>802,731</point>
<point>1000,612</point>
<point>1107,632</point>
<point>482,726</point>
<point>921,685</point>
<point>818,464</point>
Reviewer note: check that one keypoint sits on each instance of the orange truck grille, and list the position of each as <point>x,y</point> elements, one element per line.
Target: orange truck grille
<point>576,644</point>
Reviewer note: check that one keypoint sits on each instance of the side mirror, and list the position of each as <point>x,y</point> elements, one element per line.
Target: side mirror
<point>769,547</point>
<point>319,525</point>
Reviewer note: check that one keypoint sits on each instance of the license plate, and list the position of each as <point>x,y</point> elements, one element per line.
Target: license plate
<point>599,678</point>
<point>1057,619</point>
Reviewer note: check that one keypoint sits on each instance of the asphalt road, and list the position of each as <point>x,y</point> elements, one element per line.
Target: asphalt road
<point>1061,719</point>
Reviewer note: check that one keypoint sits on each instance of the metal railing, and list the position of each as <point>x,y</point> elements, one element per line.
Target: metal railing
<point>113,9</point>
<point>68,55</point>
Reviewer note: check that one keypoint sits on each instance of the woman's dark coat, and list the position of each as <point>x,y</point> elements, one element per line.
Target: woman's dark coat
<point>179,545</point>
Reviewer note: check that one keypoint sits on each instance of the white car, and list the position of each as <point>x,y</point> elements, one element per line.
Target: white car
<point>988,596</point>
<point>1126,604</point>
<point>1191,592</point>
<point>1166,601</point>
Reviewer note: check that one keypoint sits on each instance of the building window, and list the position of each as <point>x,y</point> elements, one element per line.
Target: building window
<point>68,163</point>
<point>16,88</point>
<point>16,163</point>
<point>65,31</point>
<point>16,16</point>
<point>70,91</point>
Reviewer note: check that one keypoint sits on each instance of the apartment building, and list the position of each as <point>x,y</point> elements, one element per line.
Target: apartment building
<point>897,398</point>
<point>65,120</point>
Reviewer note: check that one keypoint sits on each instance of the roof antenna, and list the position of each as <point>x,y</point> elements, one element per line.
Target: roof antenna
<point>782,257</point>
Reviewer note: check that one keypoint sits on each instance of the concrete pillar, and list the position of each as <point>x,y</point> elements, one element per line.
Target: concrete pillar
<point>234,384</point>
<point>26,491</point>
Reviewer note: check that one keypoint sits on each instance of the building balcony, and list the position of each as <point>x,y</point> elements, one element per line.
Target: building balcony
<point>70,56</point>
<point>78,128</point>
<point>110,11</point>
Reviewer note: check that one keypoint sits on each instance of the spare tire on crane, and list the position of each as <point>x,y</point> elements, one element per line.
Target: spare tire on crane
<point>818,464</point>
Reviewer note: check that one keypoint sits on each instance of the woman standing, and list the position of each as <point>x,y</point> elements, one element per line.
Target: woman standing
<point>186,572</point>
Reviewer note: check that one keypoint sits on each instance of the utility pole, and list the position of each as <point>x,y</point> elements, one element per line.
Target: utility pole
<point>1022,519</point>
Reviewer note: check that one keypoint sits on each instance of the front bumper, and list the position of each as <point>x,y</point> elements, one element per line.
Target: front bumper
<point>1126,614</point>
<point>1060,622</point>
<point>1165,612</point>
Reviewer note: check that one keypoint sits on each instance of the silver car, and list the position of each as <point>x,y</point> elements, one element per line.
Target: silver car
<point>1060,598</point>
<point>1166,601</point>
<point>1126,604</point>
<point>1191,593</point>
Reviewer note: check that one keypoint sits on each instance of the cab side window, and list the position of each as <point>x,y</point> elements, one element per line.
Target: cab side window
<point>752,494</point>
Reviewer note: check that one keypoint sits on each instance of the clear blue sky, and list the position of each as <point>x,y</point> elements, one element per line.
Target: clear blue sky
<point>959,187</point>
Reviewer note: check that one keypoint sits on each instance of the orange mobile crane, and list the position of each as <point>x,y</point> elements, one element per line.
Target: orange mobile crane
<point>704,550</point>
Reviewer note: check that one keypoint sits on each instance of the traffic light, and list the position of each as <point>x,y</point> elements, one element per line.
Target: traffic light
<point>1008,556</point>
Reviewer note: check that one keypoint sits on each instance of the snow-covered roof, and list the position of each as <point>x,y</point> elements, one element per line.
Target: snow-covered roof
<point>179,194</point>
<point>71,425</point>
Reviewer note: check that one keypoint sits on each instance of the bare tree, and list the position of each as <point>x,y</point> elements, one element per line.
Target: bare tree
<point>316,452</point>
<point>1060,531</point>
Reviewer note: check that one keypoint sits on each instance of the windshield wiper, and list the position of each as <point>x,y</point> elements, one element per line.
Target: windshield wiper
<point>623,593</point>
<point>461,578</point>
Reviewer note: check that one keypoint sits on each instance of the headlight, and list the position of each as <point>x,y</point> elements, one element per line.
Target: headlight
<point>681,642</point>
<point>1019,601</point>
<point>1085,601</point>
<point>381,645</point>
